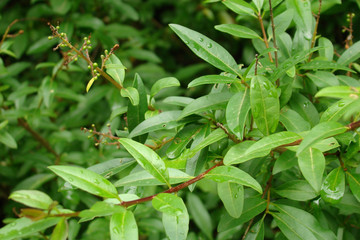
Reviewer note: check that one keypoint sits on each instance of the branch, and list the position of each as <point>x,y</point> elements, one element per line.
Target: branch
<point>231,136</point>
<point>264,35</point>
<point>315,29</point>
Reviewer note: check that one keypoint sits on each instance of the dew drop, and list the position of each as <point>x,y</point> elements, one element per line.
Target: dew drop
<point>13,224</point>
<point>307,35</point>
<point>341,104</point>
<point>209,45</point>
<point>186,42</point>
<point>266,85</point>
<point>201,39</point>
<point>236,196</point>
<point>306,104</point>
<point>71,180</point>
<point>96,181</point>
<point>116,230</point>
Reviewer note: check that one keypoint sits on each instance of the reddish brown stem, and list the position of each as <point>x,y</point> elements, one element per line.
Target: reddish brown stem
<point>315,29</point>
<point>264,35</point>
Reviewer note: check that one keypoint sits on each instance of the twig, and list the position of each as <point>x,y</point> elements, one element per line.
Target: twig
<point>39,138</point>
<point>315,29</point>
<point>274,39</point>
<point>264,34</point>
<point>256,63</point>
<point>231,136</point>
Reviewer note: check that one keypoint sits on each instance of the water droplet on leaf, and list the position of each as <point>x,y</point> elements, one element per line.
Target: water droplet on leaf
<point>209,45</point>
<point>201,39</point>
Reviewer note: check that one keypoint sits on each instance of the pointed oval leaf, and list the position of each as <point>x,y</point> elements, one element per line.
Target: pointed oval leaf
<point>304,108</point>
<point>163,83</point>
<point>213,101</point>
<point>338,109</point>
<point>144,178</point>
<point>240,7</point>
<point>286,161</point>
<point>298,190</point>
<point>319,132</point>
<point>282,22</point>
<point>112,167</point>
<point>211,79</point>
<point>32,198</point>
<point>350,55</point>
<point>100,209</point>
<point>339,92</point>
<point>354,183</point>
<point>176,226</point>
<point>237,31</point>
<point>323,79</point>
<point>257,231</point>
<point>115,69</point>
<point>7,139</point>
<point>206,49</point>
<point>319,64</point>
<point>327,48</point>
<point>61,230</point>
<point>168,203</point>
<point>147,158</point>
<point>232,196</point>
<point>333,187</point>
<point>132,94</point>
<point>213,137</point>
<point>293,122</point>
<point>164,120</point>
<point>265,106</point>
<point>123,226</point>
<point>233,174</point>
<point>237,153</point>
<point>312,165</point>
<point>86,180</point>
<point>25,226</point>
<point>302,15</point>
<point>237,110</point>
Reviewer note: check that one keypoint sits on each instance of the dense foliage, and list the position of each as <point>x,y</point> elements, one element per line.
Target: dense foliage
<point>141,120</point>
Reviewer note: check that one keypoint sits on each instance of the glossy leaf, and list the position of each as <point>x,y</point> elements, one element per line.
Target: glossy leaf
<point>354,183</point>
<point>144,178</point>
<point>265,106</point>
<point>213,137</point>
<point>240,7</point>
<point>304,108</point>
<point>25,226</point>
<point>115,69</point>
<point>333,187</point>
<point>123,226</point>
<point>338,109</point>
<point>176,225</point>
<point>200,214</point>
<point>323,79</point>
<point>164,83</point>
<point>233,174</point>
<point>32,198</point>
<point>147,158</point>
<point>299,224</point>
<point>7,139</point>
<point>286,161</point>
<point>282,22</point>
<point>298,190</point>
<point>232,196</point>
<point>237,153</point>
<point>312,166</point>
<point>292,121</point>
<point>86,180</point>
<point>319,132</point>
<point>168,203</point>
<point>100,209</point>
<point>213,101</point>
<point>237,110</point>
<point>132,94</point>
<point>211,79</point>
<point>350,55</point>
<point>206,49</point>
<point>237,31</point>
<point>302,15</point>
<point>60,231</point>
<point>112,167</point>
<point>319,64</point>
<point>327,48</point>
<point>164,120</point>
<point>339,92</point>
<point>257,231</point>
<point>136,114</point>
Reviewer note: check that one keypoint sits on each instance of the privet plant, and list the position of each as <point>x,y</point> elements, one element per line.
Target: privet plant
<point>271,151</point>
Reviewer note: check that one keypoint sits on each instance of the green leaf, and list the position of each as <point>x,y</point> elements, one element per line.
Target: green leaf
<point>181,140</point>
<point>32,198</point>
<point>265,106</point>
<point>147,158</point>
<point>298,190</point>
<point>86,180</point>
<point>100,209</point>
<point>286,161</point>
<point>298,224</point>
<point>178,101</point>
<point>232,196</point>
<point>237,110</point>
<point>312,166</point>
<point>206,49</point>
<point>112,167</point>
<point>257,231</point>
<point>168,203</point>
<point>90,83</point>
<point>305,108</point>
<point>211,79</point>
<point>350,55</point>
<point>213,137</point>
<point>281,22</point>
<point>292,121</point>
<point>213,101</point>
<point>115,69</point>
<point>200,214</point>
<point>25,226</point>
<point>338,109</point>
<point>302,15</point>
<point>240,7</point>
<point>237,153</point>
<point>319,132</point>
<point>61,230</point>
<point>339,92</point>
<point>233,174</point>
<point>237,31</point>
<point>132,94</point>
<point>164,120</point>
<point>176,223</point>
<point>136,114</point>
<point>123,226</point>
<point>354,183</point>
<point>144,178</point>
<point>319,64</point>
<point>323,79</point>
<point>7,139</point>
<point>327,48</point>
<point>333,187</point>
<point>163,83</point>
